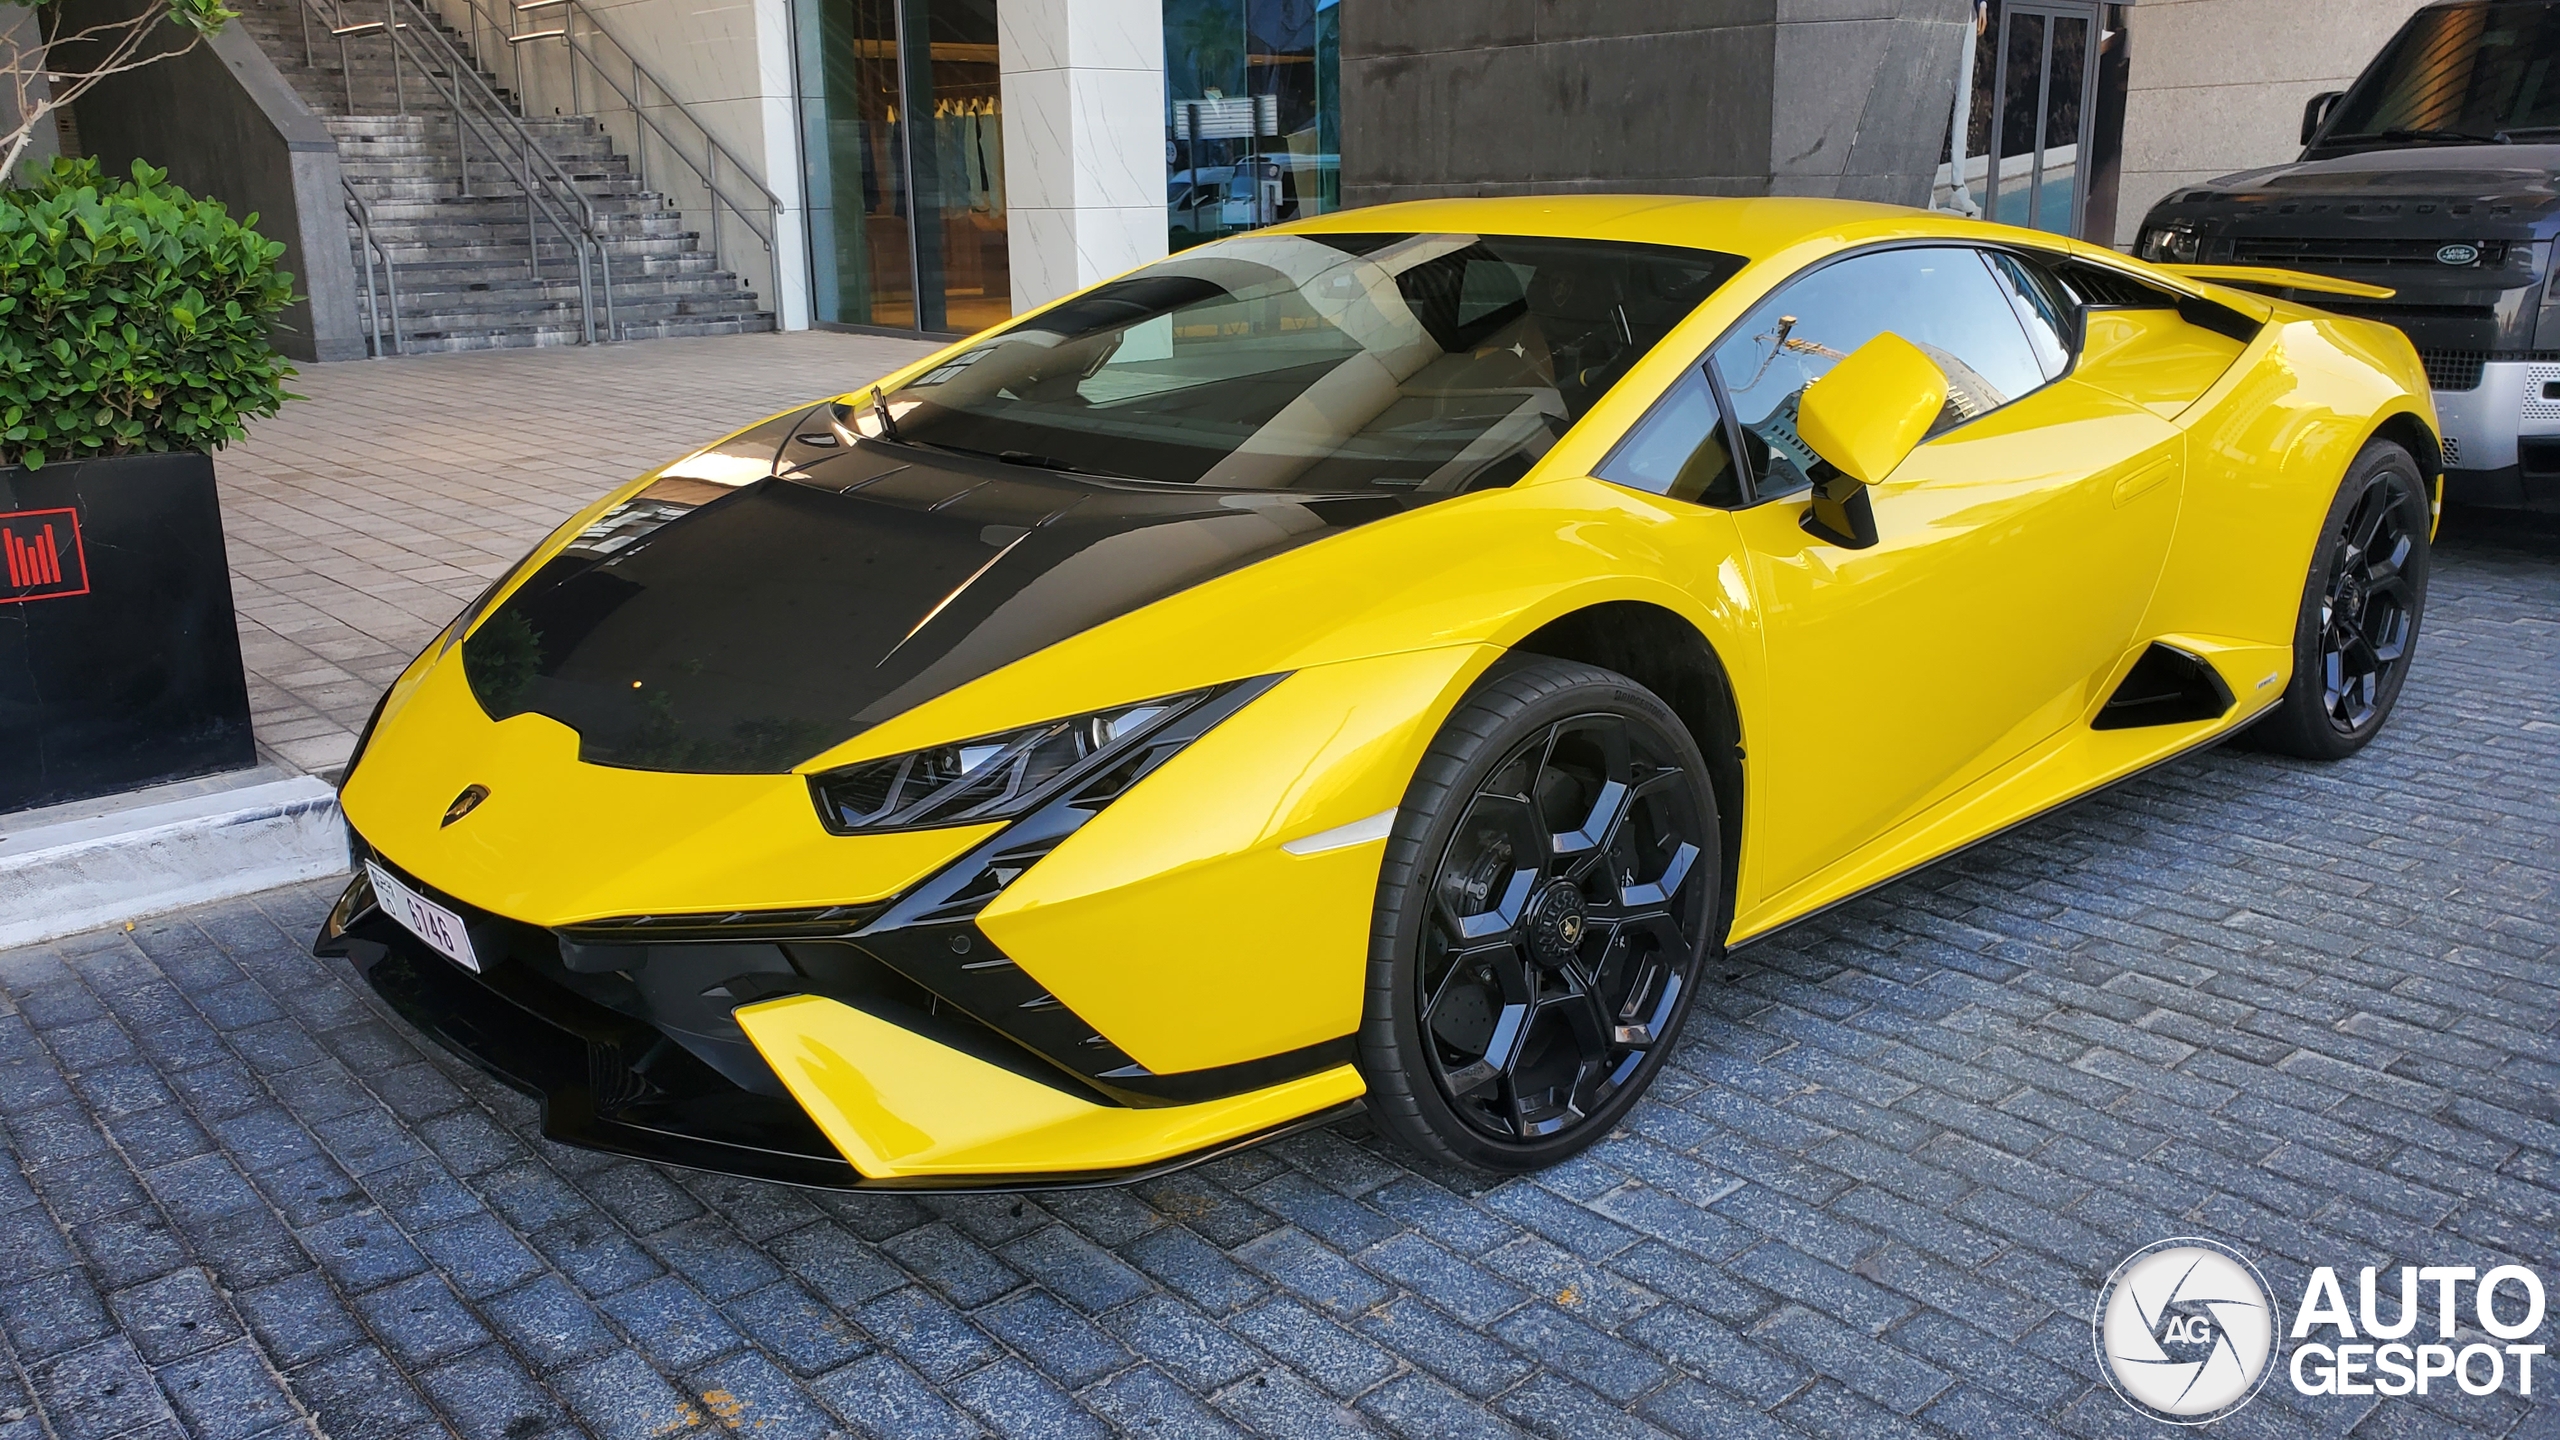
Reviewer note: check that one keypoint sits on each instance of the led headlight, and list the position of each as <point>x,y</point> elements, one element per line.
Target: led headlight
<point>992,777</point>
<point>2171,245</point>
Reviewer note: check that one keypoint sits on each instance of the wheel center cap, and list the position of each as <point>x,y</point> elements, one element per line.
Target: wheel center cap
<point>1556,921</point>
<point>2351,594</point>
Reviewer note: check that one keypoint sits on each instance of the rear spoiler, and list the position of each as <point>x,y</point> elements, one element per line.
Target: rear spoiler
<point>2269,277</point>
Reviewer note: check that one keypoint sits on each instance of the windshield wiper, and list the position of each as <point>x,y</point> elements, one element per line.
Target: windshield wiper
<point>1025,458</point>
<point>1051,462</point>
<point>880,412</point>
<point>2450,137</point>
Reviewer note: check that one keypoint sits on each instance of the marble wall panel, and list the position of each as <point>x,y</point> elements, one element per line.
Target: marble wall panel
<point>1084,141</point>
<point>1119,115</point>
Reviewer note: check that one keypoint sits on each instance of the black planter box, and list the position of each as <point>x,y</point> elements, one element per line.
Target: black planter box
<point>119,661</point>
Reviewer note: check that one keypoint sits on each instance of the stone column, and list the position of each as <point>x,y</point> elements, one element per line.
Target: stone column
<point>778,127</point>
<point>1083,141</point>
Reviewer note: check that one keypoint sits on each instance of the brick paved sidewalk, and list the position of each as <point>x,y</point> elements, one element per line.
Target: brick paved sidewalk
<point>2309,1011</point>
<point>366,514</point>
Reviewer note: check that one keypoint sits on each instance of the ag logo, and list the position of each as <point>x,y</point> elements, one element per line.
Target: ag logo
<point>2184,1331</point>
<point>2458,254</point>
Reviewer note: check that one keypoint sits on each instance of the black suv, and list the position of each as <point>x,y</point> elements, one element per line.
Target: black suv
<point>2437,174</point>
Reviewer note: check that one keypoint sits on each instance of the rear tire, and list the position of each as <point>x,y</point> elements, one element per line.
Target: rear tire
<point>1546,905</point>
<point>2361,603</point>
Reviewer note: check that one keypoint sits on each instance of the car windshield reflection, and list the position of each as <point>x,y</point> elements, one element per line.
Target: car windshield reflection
<point>1427,363</point>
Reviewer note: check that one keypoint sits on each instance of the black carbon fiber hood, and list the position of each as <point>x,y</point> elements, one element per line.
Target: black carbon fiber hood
<point>746,628</point>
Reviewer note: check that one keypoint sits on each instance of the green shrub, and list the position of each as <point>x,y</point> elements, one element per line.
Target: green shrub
<point>133,318</point>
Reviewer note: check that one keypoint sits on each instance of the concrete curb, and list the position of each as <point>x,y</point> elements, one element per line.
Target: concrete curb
<point>76,868</point>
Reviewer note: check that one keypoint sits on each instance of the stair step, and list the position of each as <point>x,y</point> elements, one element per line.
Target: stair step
<point>567,315</point>
<point>563,125</point>
<point>432,274</point>
<point>502,238</point>
<point>719,289</point>
<point>624,254</point>
<point>570,335</point>
<point>439,189</point>
<point>393,211</point>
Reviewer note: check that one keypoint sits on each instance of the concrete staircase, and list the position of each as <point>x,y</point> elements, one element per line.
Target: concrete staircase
<point>467,281</point>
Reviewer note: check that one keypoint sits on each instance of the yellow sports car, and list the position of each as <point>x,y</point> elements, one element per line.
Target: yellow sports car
<point>1381,660</point>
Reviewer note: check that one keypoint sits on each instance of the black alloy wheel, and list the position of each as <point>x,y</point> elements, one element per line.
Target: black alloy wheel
<point>2360,611</point>
<point>2369,612</point>
<point>1547,902</point>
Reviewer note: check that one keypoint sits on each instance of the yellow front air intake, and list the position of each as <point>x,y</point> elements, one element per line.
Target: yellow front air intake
<point>900,1105</point>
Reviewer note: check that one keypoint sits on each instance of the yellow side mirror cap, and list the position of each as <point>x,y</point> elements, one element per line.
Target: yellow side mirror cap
<point>1874,407</point>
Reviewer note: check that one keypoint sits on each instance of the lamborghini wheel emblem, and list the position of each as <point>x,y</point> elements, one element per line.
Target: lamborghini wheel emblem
<point>464,803</point>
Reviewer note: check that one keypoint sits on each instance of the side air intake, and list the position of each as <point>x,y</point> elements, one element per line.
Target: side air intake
<point>2166,687</point>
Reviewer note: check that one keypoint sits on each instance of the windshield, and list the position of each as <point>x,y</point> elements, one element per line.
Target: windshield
<point>1408,363</point>
<point>2464,72</point>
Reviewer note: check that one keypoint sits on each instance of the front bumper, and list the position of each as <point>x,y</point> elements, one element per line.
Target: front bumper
<point>829,1095</point>
<point>2502,437</point>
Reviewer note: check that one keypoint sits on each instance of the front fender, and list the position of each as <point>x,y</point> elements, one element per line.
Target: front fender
<point>1189,921</point>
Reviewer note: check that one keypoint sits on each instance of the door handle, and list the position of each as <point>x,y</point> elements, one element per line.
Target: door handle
<point>2135,481</point>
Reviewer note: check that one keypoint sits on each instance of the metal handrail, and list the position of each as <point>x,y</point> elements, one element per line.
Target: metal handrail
<point>706,170</point>
<point>363,216</point>
<point>551,194</point>
<point>535,164</point>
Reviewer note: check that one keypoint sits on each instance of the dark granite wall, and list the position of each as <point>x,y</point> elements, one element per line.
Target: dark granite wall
<point>1707,97</point>
<point>223,122</point>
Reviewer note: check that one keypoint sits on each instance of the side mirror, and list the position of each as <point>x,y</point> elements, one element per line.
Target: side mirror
<point>1863,419</point>
<point>2316,110</point>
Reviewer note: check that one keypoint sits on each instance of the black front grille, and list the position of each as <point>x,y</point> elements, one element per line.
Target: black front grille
<point>2453,369</point>
<point>2391,312</point>
<point>606,1081</point>
<point>2314,253</point>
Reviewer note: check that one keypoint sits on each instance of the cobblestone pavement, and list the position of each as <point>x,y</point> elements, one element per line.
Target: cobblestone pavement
<point>365,515</point>
<point>2307,1010</point>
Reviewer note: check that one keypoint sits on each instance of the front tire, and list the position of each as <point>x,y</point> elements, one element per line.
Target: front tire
<point>1546,905</point>
<point>2361,604</point>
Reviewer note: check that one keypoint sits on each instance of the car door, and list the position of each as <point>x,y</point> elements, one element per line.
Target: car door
<point>2017,548</point>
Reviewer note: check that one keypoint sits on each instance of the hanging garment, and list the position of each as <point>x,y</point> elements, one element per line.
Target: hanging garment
<point>991,158</point>
<point>973,152</point>
<point>951,144</point>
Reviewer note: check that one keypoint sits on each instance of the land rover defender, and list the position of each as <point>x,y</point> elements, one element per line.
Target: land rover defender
<point>2437,175</point>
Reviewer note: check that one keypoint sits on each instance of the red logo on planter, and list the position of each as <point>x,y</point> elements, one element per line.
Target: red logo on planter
<point>40,556</point>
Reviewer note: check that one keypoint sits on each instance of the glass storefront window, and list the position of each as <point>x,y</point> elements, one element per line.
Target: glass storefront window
<point>901,102</point>
<point>1252,115</point>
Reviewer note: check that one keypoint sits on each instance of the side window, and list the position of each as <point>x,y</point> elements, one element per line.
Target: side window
<point>1678,449</point>
<point>2043,307</point>
<point>1943,300</point>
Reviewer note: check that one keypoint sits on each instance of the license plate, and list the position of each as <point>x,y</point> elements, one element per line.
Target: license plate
<point>423,918</point>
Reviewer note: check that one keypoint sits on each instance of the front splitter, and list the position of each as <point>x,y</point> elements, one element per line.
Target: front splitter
<point>584,1064</point>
